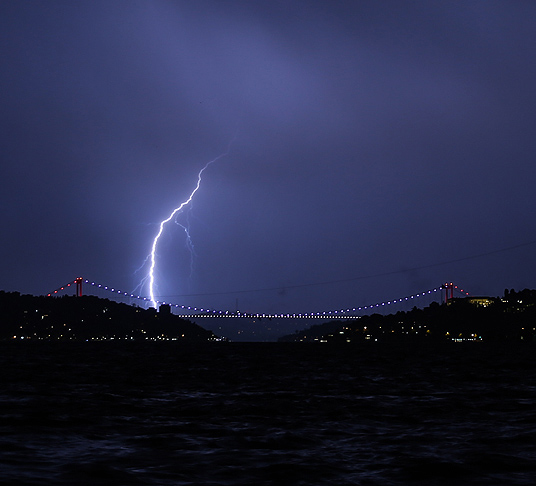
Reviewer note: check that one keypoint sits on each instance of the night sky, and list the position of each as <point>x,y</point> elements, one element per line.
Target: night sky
<point>374,148</point>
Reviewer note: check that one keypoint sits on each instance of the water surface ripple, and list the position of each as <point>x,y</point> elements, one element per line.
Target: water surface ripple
<point>266,414</point>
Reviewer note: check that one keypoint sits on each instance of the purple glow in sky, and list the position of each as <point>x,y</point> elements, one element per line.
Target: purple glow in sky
<point>373,139</point>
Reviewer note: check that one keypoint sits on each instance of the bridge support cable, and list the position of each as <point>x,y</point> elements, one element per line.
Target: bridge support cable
<point>60,289</point>
<point>197,312</point>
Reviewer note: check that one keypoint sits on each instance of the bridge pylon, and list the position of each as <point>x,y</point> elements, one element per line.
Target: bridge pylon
<point>449,291</point>
<point>78,282</point>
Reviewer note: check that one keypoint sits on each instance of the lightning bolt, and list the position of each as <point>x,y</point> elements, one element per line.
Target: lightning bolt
<point>189,244</point>
<point>176,211</point>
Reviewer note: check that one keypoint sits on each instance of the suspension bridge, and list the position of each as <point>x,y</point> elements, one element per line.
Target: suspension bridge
<point>445,292</point>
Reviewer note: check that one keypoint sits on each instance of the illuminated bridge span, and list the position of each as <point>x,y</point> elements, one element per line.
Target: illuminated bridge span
<point>196,312</point>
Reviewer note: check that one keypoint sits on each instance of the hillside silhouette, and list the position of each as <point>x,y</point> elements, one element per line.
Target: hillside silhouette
<point>510,318</point>
<point>89,317</point>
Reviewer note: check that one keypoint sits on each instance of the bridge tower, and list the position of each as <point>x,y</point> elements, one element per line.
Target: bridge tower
<point>79,286</point>
<point>449,291</point>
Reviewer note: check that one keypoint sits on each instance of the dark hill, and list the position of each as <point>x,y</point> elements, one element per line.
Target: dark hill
<point>88,317</point>
<point>510,318</point>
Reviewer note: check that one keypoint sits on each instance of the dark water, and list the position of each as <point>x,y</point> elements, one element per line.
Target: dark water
<point>253,413</point>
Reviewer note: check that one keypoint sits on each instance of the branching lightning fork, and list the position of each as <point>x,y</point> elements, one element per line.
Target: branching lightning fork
<point>152,255</point>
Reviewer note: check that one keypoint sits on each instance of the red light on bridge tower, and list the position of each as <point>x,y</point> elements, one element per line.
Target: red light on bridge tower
<point>449,291</point>
<point>78,282</point>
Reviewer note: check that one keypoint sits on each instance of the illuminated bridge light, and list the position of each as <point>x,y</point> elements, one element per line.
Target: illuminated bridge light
<point>339,313</point>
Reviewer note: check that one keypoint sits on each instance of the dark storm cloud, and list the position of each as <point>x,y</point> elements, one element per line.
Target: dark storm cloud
<point>368,138</point>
